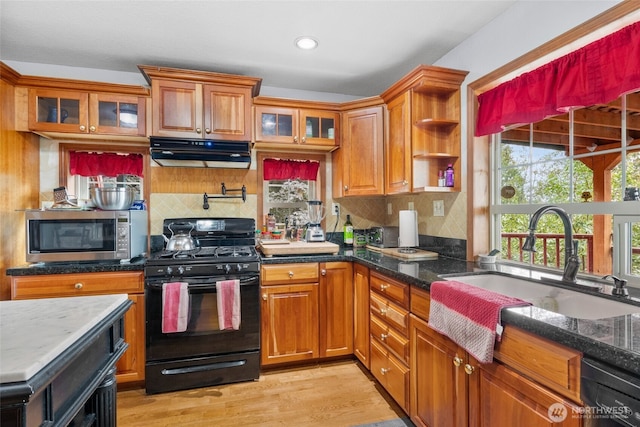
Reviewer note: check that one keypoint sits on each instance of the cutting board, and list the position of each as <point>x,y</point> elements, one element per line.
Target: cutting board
<point>415,256</point>
<point>298,248</point>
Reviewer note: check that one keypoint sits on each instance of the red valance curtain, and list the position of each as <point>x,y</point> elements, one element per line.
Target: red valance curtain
<point>278,169</point>
<point>597,73</point>
<point>106,164</point>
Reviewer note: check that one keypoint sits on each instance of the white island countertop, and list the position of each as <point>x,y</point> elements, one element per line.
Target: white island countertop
<point>34,332</point>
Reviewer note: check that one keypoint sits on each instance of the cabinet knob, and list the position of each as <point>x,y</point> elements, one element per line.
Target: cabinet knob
<point>295,139</point>
<point>383,311</point>
<point>346,188</point>
<point>207,130</point>
<point>264,297</point>
<point>383,337</point>
<point>383,371</point>
<point>383,286</point>
<point>198,130</point>
<point>78,285</point>
<point>323,272</point>
<point>92,128</point>
<point>469,369</point>
<point>457,361</point>
<point>304,139</point>
<point>82,128</point>
<point>290,274</point>
<point>405,182</point>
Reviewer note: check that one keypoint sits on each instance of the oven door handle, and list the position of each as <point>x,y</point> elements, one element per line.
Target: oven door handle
<point>211,285</point>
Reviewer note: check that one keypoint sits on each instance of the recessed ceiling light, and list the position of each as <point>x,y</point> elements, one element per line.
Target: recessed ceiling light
<point>306,42</point>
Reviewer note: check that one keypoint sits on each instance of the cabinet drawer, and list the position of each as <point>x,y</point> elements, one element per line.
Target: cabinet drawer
<point>395,291</point>
<point>547,362</point>
<point>391,373</point>
<point>420,303</point>
<point>289,273</point>
<point>61,285</point>
<point>395,342</point>
<point>392,314</point>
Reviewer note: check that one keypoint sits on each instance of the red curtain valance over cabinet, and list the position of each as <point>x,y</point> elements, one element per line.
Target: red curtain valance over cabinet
<point>279,169</point>
<point>598,73</point>
<point>106,164</point>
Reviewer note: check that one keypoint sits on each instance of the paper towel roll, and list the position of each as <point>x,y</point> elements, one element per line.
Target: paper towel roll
<point>408,229</point>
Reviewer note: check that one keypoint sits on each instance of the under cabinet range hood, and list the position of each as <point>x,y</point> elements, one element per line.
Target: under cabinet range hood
<point>200,153</point>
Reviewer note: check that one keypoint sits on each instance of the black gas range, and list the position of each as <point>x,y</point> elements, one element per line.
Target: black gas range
<point>204,353</point>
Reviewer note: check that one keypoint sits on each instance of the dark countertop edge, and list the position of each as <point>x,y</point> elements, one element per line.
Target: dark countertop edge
<point>74,268</point>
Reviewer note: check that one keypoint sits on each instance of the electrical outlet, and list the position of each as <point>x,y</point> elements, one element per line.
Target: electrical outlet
<point>335,209</point>
<point>389,209</point>
<point>438,208</point>
<point>410,206</point>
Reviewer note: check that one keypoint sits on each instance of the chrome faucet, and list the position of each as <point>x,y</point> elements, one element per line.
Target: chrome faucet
<point>571,260</point>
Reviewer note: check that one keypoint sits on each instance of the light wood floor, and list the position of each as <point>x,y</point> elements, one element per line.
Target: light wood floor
<point>337,394</point>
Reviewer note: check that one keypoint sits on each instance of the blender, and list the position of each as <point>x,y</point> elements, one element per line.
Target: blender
<point>315,233</point>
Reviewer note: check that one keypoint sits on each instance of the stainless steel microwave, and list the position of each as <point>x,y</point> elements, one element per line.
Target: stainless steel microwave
<point>67,236</point>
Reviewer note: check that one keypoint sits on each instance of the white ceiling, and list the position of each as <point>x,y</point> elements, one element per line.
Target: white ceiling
<point>364,46</point>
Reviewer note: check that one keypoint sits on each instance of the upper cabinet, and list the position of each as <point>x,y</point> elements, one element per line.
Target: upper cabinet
<point>423,130</point>
<point>85,113</point>
<point>358,165</point>
<point>198,104</point>
<point>281,123</point>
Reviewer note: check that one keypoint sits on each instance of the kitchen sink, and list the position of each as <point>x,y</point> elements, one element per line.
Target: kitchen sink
<point>559,300</point>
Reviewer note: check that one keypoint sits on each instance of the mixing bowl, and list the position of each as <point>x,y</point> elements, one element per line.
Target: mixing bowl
<point>113,198</point>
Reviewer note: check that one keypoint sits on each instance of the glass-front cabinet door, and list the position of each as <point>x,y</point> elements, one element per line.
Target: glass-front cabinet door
<point>116,114</point>
<point>275,124</point>
<point>318,127</point>
<point>55,110</point>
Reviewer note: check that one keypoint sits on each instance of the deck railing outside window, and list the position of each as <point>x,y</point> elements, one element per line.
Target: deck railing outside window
<point>552,252</point>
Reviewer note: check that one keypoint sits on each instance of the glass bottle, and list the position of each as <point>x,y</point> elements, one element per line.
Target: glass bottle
<point>448,176</point>
<point>348,232</point>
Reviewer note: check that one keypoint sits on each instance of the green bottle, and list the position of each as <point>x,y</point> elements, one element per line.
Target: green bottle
<point>347,229</point>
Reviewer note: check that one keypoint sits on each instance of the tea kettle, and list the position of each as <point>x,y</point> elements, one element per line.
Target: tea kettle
<point>182,240</point>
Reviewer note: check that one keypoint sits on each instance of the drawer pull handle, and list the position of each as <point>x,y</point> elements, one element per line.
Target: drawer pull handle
<point>264,297</point>
<point>457,361</point>
<point>469,369</point>
<point>383,336</point>
<point>78,285</point>
<point>383,286</point>
<point>290,274</point>
<point>383,371</point>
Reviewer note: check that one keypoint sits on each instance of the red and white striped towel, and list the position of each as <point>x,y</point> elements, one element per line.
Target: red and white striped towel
<point>175,307</point>
<point>469,315</point>
<point>228,293</point>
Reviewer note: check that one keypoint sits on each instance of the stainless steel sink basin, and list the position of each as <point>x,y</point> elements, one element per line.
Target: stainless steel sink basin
<point>559,300</point>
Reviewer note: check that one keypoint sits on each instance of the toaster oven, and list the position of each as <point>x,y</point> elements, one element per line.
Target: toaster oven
<point>383,237</point>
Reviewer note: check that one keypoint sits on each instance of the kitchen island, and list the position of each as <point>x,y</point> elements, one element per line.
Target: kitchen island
<point>57,360</point>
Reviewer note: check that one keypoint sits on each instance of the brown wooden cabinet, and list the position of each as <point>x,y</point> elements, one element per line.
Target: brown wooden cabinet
<point>282,124</point>
<point>307,311</point>
<point>361,339</point>
<point>130,367</point>
<point>450,388</point>
<point>81,112</point>
<point>198,104</point>
<point>358,165</point>
<point>424,130</point>
<point>389,328</point>
<point>336,309</point>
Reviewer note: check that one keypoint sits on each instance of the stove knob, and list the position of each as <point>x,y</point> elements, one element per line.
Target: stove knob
<point>239,267</point>
<point>169,270</point>
<point>181,270</point>
<point>227,268</point>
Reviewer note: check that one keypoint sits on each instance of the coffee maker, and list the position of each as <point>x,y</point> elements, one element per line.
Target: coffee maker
<point>317,212</point>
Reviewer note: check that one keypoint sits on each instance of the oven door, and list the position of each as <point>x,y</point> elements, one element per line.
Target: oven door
<point>203,336</point>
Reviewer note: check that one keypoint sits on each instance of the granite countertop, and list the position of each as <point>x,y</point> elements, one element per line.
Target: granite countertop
<point>35,332</point>
<point>614,340</point>
<point>136,264</point>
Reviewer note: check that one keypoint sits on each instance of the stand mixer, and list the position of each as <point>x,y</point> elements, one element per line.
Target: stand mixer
<point>317,212</point>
